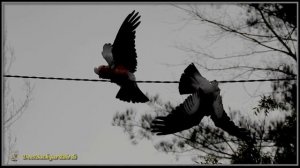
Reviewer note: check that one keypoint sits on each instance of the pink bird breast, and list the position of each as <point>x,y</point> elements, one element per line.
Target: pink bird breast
<point>121,71</point>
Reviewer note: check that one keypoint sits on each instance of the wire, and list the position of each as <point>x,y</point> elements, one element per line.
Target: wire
<point>105,80</point>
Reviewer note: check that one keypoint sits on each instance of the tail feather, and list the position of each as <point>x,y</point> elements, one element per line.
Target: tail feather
<point>131,93</point>
<point>189,80</point>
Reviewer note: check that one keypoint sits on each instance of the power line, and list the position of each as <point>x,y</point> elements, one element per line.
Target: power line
<point>105,80</point>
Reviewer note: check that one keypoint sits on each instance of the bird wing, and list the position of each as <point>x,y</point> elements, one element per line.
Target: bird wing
<point>123,50</point>
<point>183,117</point>
<point>225,123</point>
<point>222,120</point>
<point>107,54</point>
<point>217,106</point>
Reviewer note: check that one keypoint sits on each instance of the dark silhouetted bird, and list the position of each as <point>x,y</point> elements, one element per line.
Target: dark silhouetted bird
<point>122,61</point>
<point>205,100</point>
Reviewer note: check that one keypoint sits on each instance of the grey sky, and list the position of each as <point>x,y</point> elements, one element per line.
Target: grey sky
<point>75,117</point>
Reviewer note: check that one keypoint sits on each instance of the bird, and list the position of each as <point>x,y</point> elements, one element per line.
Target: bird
<point>121,57</point>
<point>204,100</point>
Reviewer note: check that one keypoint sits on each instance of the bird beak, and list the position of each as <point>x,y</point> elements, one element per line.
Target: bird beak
<point>96,70</point>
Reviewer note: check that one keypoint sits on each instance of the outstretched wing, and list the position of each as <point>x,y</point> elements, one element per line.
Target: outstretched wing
<point>123,50</point>
<point>184,116</point>
<point>222,120</point>
<point>217,106</point>
<point>228,125</point>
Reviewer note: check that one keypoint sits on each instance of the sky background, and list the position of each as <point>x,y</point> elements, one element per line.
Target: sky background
<point>71,117</point>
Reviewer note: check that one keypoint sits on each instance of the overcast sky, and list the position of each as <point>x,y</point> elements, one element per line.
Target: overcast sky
<point>71,117</point>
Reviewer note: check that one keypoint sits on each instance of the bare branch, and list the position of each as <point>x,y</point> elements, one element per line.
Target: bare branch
<point>290,35</point>
<point>277,36</point>
<point>16,114</point>
<point>253,53</point>
<point>242,34</point>
<point>228,145</point>
<point>248,67</point>
<point>288,38</point>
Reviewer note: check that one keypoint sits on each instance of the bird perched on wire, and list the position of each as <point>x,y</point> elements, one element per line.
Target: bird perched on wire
<point>205,100</point>
<point>122,61</point>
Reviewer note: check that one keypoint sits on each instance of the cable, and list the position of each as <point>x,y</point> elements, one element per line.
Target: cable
<point>105,80</point>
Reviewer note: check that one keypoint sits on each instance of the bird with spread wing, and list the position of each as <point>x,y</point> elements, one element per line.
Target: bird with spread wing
<point>122,61</point>
<point>205,100</point>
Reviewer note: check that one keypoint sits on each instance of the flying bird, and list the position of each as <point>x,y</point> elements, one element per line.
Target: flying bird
<point>122,61</point>
<point>205,100</point>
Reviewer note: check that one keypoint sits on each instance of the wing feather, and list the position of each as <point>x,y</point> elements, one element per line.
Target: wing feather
<point>124,52</point>
<point>225,123</point>
<point>184,116</point>
<point>217,106</point>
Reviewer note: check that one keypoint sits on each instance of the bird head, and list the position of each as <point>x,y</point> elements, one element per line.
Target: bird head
<point>103,71</point>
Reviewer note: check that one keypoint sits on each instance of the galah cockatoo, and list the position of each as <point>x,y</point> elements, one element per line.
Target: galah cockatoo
<point>205,100</point>
<point>121,58</point>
